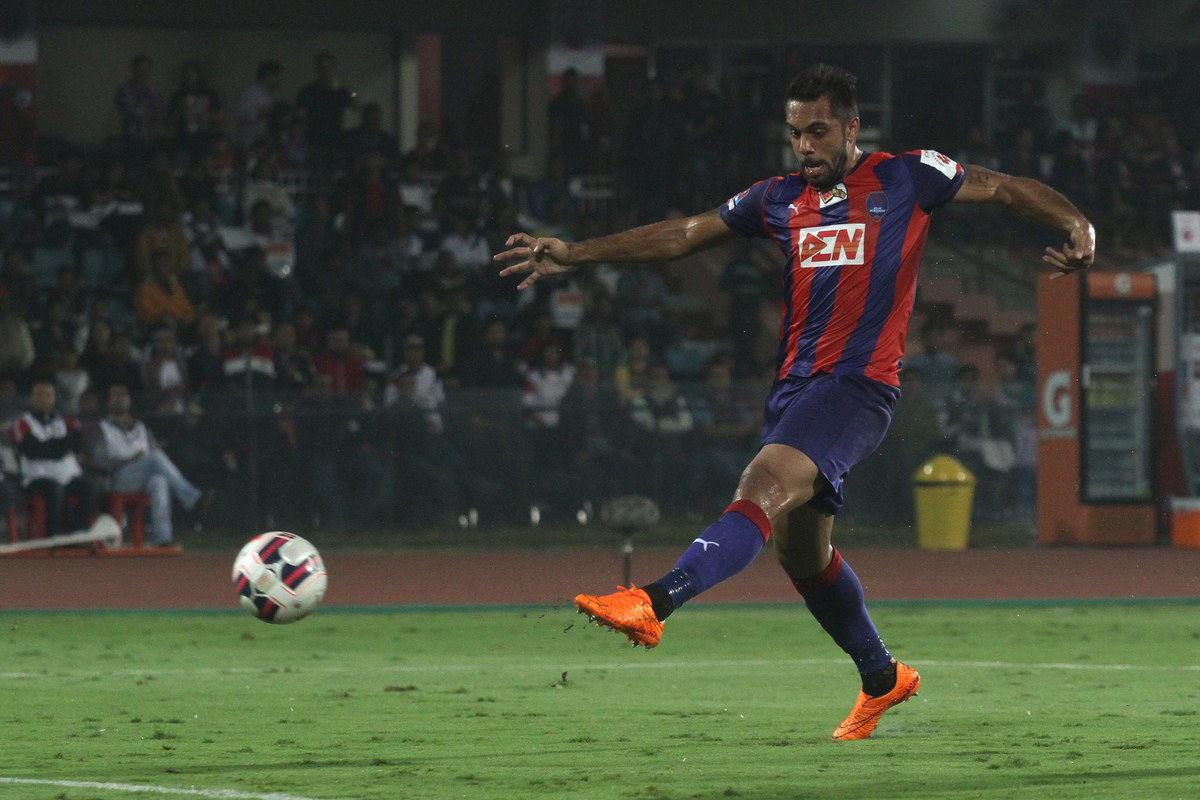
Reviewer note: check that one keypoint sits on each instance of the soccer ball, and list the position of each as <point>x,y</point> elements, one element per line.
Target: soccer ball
<point>279,577</point>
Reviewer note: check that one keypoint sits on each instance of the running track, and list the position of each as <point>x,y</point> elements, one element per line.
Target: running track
<point>454,577</point>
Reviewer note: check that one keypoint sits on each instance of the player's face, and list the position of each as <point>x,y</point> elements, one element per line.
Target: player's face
<point>821,141</point>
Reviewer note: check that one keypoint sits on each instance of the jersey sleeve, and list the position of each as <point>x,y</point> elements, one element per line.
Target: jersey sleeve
<point>744,211</point>
<point>936,178</point>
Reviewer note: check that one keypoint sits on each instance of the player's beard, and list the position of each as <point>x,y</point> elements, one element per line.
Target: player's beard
<point>835,170</point>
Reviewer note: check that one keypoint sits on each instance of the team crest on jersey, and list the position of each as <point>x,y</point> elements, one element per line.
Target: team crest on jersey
<point>834,195</point>
<point>737,198</point>
<point>831,245</point>
<point>877,205</point>
<point>943,164</point>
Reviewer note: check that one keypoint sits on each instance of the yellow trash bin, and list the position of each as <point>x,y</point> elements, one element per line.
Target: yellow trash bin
<point>944,491</point>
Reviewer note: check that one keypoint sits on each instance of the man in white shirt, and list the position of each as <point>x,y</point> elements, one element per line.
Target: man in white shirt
<point>126,449</point>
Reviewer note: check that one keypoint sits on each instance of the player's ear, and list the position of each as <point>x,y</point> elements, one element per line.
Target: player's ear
<point>852,129</point>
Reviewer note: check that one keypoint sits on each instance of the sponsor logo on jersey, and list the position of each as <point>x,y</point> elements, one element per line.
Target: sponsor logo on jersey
<point>737,198</point>
<point>943,164</point>
<point>830,196</point>
<point>831,245</point>
<point>877,205</point>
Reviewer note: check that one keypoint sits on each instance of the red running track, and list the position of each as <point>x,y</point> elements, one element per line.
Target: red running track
<point>201,581</point>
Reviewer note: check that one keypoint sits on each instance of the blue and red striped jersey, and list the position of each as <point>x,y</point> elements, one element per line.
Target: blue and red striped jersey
<point>852,257</point>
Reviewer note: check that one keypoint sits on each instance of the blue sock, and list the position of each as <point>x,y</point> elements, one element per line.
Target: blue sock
<point>835,598</point>
<point>724,549</point>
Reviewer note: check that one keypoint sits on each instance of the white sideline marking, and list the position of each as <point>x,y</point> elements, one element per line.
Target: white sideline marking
<point>221,794</point>
<point>558,665</point>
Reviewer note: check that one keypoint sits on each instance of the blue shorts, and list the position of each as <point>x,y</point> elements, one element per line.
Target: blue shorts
<point>836,420</point>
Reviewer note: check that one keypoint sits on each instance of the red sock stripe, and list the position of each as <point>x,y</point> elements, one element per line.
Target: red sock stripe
<point>822,580</point>
<point>752,512</point>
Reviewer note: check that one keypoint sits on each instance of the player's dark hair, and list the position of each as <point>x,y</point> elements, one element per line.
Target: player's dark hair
<point>825,80</point>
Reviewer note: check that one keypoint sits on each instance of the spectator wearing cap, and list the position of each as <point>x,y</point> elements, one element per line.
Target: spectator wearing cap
<point>47,445</point>
<point>427,393</point>
<point>161,298</point>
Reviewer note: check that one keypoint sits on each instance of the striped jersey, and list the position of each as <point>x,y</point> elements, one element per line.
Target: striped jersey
<point>852,256</point>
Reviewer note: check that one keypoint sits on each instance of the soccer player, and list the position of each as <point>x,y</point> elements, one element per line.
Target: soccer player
<point>852,226</point>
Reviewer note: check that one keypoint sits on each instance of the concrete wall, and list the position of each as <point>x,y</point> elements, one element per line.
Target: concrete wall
<point>80,68</point>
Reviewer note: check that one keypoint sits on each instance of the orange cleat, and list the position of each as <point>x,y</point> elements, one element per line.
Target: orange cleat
<point>628,612</point>
<point>868,710</point>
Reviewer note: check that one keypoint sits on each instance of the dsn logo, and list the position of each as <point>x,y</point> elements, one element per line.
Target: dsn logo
<point>831,245</point>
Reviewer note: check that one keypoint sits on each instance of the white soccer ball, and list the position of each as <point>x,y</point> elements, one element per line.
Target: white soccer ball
<point>279,577</point>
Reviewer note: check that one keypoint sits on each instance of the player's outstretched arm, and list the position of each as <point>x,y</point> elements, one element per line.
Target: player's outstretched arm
<point>1039,203</point>
<point>661,241</point>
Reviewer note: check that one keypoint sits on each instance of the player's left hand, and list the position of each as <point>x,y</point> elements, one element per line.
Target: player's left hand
<point>1079,254</point>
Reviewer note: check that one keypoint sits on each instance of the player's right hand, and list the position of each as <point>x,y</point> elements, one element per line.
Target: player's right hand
<point>542,257</point>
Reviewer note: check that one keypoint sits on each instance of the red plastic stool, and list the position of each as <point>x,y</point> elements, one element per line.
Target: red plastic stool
<point>137,505</point>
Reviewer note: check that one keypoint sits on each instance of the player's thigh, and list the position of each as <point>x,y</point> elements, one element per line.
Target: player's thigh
<point>779,479</point>
<point>802,541</point>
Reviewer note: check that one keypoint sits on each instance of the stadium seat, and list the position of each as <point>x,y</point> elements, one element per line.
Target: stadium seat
<point>137,505</point>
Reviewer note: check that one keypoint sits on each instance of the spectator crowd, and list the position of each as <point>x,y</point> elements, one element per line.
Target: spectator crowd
<point>311,323</point>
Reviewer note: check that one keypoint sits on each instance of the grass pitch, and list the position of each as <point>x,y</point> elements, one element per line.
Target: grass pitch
<point>1019,701</point>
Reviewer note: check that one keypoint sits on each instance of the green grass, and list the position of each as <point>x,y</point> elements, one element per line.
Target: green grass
<point>531,703</point>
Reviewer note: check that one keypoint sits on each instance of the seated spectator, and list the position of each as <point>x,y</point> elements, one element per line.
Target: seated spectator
<point>17,282</point>
<point>595,432</point>
<point>370,136</point>
<point>458,335</point>
<point>337,454</point>
<point>371,195</point>
<point>54,334</point>
<point>210,263</point>
<point>432,154</point>
<point>256,281</point>
<point>70,381</point>
<point>981,439</point>
<point>119,365</point>
<point>641,296</point>
<point>599,339</point>
<point>163,232</point>
<point>249,360</point>
<point>315,236</point>
<point>161,299</point>
<point>936,361</point>
<point>255,102</point>
<point>17,352</point>
<point>158,184</point>
<point>274,241</point>
<point>48,445</point>
<point>264,187</point>
<point>632,377</point>
<point>470,247</point>
<point>663,414</point>
<point>340,363</point>
<point>165,373</point>
<point>293,366</point>
<point>427,392</point>
<point>378,265</point>
<point>127,452</point>
<point>206,365</point>
<point>724,436</point>
<point>492,364</point>
<point>545,386</point>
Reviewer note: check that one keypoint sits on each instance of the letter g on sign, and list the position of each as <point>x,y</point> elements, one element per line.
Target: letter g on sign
<point>1056,398</point>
